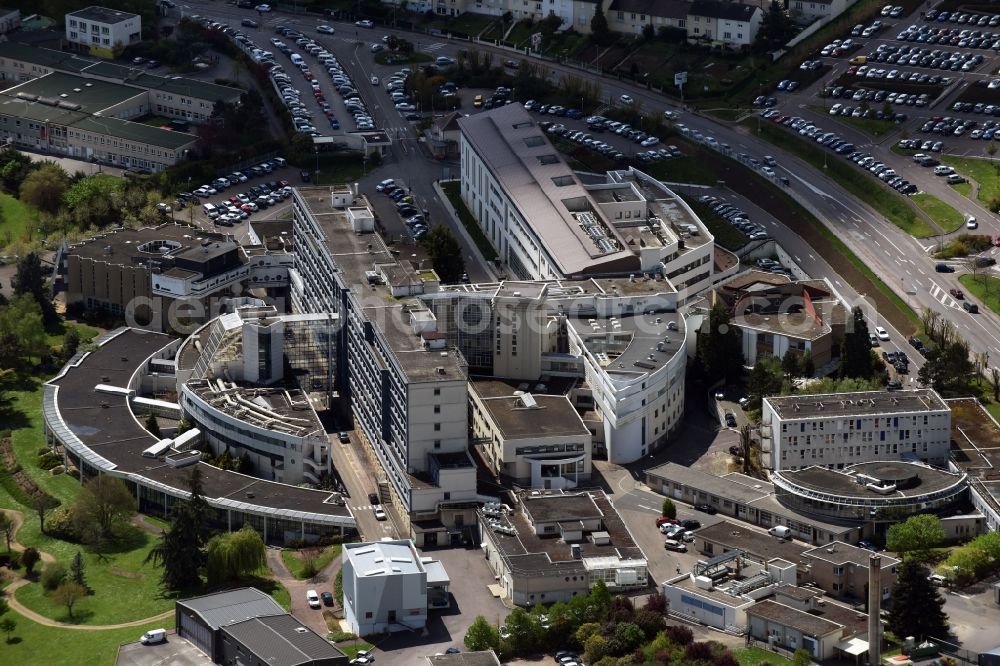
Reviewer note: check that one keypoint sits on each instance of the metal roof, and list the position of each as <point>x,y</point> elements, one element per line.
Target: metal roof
<point>222,608</point>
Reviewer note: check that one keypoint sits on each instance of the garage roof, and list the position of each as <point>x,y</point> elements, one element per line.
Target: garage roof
<point>222,608</point>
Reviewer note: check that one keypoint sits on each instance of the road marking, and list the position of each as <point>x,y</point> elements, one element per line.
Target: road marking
<point>647,508</point>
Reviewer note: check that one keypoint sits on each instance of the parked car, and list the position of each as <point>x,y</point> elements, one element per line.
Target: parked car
<point>665,520</point>
<point>691,524</point>
<point>380,513</point>
<point>706,508</point>
<point>327,598</point>
<point>373,498</point>
<point>154,636</point>
<point>730,420</point>
<point>313,598</point>
<point>675,545</point>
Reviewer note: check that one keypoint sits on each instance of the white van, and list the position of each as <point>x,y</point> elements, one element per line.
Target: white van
<point>780,531</point>
<point>296,59</point>
<point>211,210</point>
<point>154,636</point>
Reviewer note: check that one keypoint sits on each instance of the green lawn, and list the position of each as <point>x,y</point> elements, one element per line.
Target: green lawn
<point>893,206</point>
<point>985,288</point>
<point>453,190</point>
<point>983,171</point>
<point>871,126</point>
<point>752,656</point>
<point>965,189</point>
<point>389,58</point>
<point>294,562</point>
<point>35,644</point>
<point>725,234</point>
<point>16,219</point>
<point>155,121</point>
<point>943,215</point>
<point>468,23</point>
<point>124,589</point>
<point>351,648</point>
<point>336,169</point>
<point>681,170</point>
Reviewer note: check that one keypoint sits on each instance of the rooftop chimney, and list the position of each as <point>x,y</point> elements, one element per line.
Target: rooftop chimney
<point>874,610</point>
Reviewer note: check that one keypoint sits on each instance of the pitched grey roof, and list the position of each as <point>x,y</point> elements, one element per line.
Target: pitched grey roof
<point>281,640</point>
<point>675,9</point>
<point>729,11</point>
<point>222,608</point>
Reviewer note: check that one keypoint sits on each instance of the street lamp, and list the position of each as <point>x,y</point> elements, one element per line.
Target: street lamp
<point>316,150</point>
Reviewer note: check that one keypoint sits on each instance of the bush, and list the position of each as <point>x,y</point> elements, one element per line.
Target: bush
<point>309,568</point>
<point>52,576</point>
<point>340,636</point>
<point>60,525</point>
<point>49,460</point>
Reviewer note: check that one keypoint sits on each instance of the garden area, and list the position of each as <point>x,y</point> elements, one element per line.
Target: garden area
<point>453,190</point>
<point>984,287</point>
<point>307,562</point>
<point>985,172</point>
<point>725,233</point>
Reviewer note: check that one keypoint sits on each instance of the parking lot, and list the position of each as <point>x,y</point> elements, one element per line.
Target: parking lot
<point>175,651</point>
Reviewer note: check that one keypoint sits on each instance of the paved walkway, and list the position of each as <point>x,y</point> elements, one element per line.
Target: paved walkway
<point>321,582</point>
<point>16,605</point>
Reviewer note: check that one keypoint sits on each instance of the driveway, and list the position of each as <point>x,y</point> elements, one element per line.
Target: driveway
<point>175,651</point>
<point>321,582</point>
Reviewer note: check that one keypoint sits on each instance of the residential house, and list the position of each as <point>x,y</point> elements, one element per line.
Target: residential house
<point>728,24</point>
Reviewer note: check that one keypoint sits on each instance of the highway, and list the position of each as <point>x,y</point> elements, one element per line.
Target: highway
<point>900,260</point>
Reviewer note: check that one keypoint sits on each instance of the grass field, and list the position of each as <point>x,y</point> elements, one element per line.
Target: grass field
<point>16,219</point>
<point>965,189</point>
<point>893,206</point>
<point>871,126</point>
<point>293,560</point>
<point>681,170</point>
<point>985,288</point>
<point>943,215</point>
<point>351,648</point>
<point>35,644</point>
<point>453,190</point>
<point>752,656</point>
<point>983,171</point>
<point>334,169</point>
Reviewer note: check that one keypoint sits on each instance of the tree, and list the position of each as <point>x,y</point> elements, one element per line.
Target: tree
<point>29,278</point>
<point>77,570</point>
<point>595,649</point>
<point>103,504</point>
<point>916,536</point>
<point>44,187</point>
<point>43,504</point>
<point>801,657</point>
<point>775,28</point>
<point>68,594</point>
<point>445,253</point>
<point>764,380</point>
<point>808,365</point>
<point>29,558</point>
<point>550,24</point>
<point>71,342</point>
<point>600,598</point>
<point>153,426</point>
<point>790,364</point>
<point>524,631</point>
<point>235,555</point>
<point>179,550</point>
<point>669,509</point>
<point>7,528</point>
<point>22,331</point>
<point>8,625</point>
<point>948,368</point>
<point>599,25</point>
<point>719,348</point>
<point>587,630</point>
<point>916,606</point>
<point>856,349</point>
<point>53,576</point>
<point>482,636</point>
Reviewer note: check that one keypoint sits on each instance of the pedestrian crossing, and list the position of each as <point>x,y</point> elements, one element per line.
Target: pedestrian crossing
<point>365,507</point>
<point>436,46</point>
<point>941,295</point>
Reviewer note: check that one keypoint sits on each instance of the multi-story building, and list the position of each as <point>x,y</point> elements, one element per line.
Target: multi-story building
<point>619,341</point>
<point>408,391</point>
<point>555,545</point>
<point>10,20</point>
<point>546,224</point>
<point>232,385</point>
<point>171,277</point>
<point>389,586</point>
<point>839,429</point>
<point>841,569</point>
<point>101,31</point>
<point>727,24</point>
<point>533,440</point>
<point>775,315</point>
<point>630,17</point>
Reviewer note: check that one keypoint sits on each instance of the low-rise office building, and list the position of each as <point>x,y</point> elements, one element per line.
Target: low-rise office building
<point>101,31</point>
<point>553,546</point>
<point>838,429</point>
<point>822,628</point>
<point>247,626</point>
<point>842,570</point>
<point>389,587</point>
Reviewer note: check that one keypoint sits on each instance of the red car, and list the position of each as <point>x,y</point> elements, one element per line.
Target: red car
<point>957,293</point>
<point>997,241</point>
<point>664,519</point>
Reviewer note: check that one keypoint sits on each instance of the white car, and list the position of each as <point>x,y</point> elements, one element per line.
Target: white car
<point>380,513</point>
<point>881,333</point>
<point>263,8</point>
<point>325,29</point>
<point>364,23</point>
<point>374,80</point>
<point>626,99</point>
<point>312,598</point>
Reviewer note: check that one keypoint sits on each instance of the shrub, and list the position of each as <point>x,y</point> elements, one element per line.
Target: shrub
<point>59,524</point>
<point>309,568</point>
<point>52,576</point>
<point>340,636</point>
<point>49,460</point>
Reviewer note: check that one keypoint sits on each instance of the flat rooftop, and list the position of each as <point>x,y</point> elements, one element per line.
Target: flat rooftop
<point>975,439</point>
<point>806,622</point>
<point>102,14</point>
<point>845,553</point>
<point>526,551</point>
<point>761,546</point>
<point>355,254</point>
<point>863,403</point>
<point>720,590</point>
<point>798,325</point>
<point>383,558</point>
<point>561,212</point>
<point>560,508</point>
<point>673,213</point>
<point>919,479</point>
<point>632,344</point>
<point>85,94</point>
<point>122,246</point>
<point>288,407</point>
<point>107,427</point>
<point>548,415</point>
<point>735,489</point>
